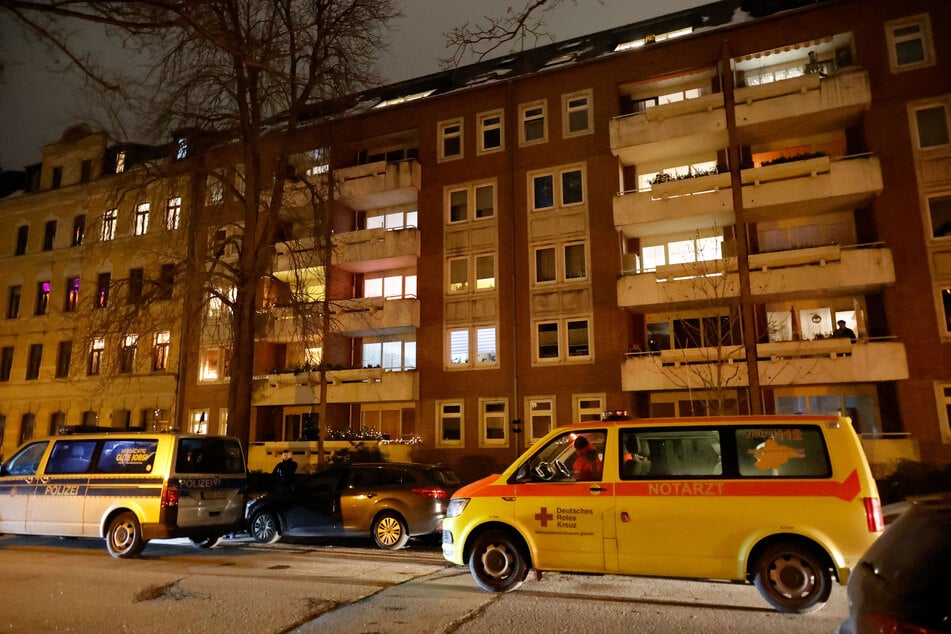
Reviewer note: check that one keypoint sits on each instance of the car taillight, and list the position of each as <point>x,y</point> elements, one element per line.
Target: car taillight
<point>170,496</point>
<point>873,515</point>
<point>434,493</point>
<point>887,624</point>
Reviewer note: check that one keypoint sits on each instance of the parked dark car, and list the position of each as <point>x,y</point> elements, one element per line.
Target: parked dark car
<point>900,585</point>
<point>390,502</point>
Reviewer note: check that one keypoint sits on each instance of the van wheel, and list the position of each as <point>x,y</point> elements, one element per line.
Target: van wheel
<point>206,542</point>
<point>496,562</point>
<point>793,578</point>
<point>389,531</point>
<point>264,528</point>
<point>124,536</point>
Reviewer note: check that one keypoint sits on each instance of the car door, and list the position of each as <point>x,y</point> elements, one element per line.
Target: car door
<point>359,497</point>
<point>313,507</point>
<point>17,483</point>
<point>57,504</point>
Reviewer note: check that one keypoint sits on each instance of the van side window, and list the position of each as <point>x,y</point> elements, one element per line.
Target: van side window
<point>670,453</point>
<point>209,455</point>
<point>784,452</point>
<point>27,461</point>
<point>70,456</point>
<point>127,455</point>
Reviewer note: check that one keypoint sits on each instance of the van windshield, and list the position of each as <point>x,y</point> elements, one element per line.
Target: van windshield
<point>209,455</point>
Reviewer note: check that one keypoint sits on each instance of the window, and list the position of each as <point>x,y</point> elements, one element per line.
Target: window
<point>392,220</point>
<point>136,284</point>
<point>533,128</point>
<point>395,355</point>
<point>72,295</point>
<point>563,340</point>
<point>216,189</point>
<point>160,350</point>
<point>166,282</point>
<point>449,423</point>
<point>482,266</point>
<point>85,171</point>
<point>103,282</point>
<point>461,342</point>
<point>57,422</point>
<point>173,213</point>
<point>784,452</point>
<point>127,455</point>
<point>141,219</point>
<point>214,364</point>
<point>23,235</point>
<point>64,357</point>
<point>701,249</point>
<point>540,413</point>
<point>96,350</point>
<point>79,229</point>
<point>109,220</point>
<point>491,138</point>
<point>494,422</point>
<point>6,362</point>
<point>42,298</point>
<point>57,177</point>
<point>480,198</point>
<point>389,286</point>
<point>579,456</point>
<point>932,125</point>
<point>909,43</point>
<point>13,302</point>
<point>33,360</point>
<point>450,139</point>
<point>670,453</point>
<point>545,266</point>
<point>939,209</point>
<point>562,263</point>
<point>570,189</point>
<point>943,398</point>
<point>120,161</point>
<point>485,272</point>
<point>588,407</point>
<point>577,119</point>
<point>946,306</point>
<point>49,235</point>
<point>576,267</point>
<point>127,354</point>
<point>459,275</point>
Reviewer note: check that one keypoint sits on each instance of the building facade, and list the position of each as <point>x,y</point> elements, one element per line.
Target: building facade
<point>669,218</point>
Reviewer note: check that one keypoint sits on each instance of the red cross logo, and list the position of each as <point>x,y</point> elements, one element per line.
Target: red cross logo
<point>543,516</point>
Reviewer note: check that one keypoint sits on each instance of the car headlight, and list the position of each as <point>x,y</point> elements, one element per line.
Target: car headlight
<point>456,506</point>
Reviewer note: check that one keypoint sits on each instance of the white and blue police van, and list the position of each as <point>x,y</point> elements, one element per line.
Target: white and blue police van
<point>127,488</point>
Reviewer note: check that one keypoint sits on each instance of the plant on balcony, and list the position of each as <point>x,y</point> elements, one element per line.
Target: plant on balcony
<point>805,156</point>
<point>663,177</point>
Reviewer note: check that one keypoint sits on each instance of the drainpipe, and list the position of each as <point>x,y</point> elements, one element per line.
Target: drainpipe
<point>510,150</point>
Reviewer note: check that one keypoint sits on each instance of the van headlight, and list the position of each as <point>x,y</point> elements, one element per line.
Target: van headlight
<point>456,506</point>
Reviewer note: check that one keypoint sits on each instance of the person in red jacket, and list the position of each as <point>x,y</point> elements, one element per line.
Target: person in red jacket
<point>587,465</point>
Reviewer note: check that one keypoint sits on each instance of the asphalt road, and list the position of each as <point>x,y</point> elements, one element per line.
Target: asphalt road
<point>53,584</point>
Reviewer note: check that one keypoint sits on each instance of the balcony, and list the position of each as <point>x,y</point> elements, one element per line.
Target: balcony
<point>364,385</point>
<point>811,272</point>
<point>374,316</point>
<point>279,324</point>
<point>681,205</point>
<point>684,128</point>
<point>376,249</point>
<point>379,184</point>
<point>801,106</point>
<point>810,187</point>
<point>292,256</point>
<point>783,363</point>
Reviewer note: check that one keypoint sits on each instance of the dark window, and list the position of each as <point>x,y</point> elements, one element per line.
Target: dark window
<point>96,350</point>
<point>79,229</point>
<point>42,298</point>
<point>209,455</point>
<point>136,281</point>
<point>932,126</point>
<point>166,281</point>
<point>27,422</point>
<point>102,289</point>
<point>72,295</point>
<point>127,355</point>
<point>64,357</point>
<point>571,189</point>
<point>71,456</point>
<point>57,177</point>
<point>49,235</point>
<point>23,235</point>
<point>33,361</point>
<point>126,455</point>
<point>940,210</point>
<point>670,453</point>
<point>13,302</point>
<point>548,341</point>
<point>85,172</point>
<point>57,422</point>
<point>544,192</point>
<point>6,362</point>
<point>789,451</point>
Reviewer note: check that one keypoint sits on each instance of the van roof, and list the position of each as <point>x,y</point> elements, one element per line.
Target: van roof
<point>712,421</point>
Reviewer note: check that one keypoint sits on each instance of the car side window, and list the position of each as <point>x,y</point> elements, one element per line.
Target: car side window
<point>361,478</point>
<point>126,455</point>
<point>670,453</point>
<point>70,456</point>
<point>570,457</point>
<point>27,460</point>
<point>787,452</point>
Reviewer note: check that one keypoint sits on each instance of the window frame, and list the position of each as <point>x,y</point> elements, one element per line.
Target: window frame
<point>6,362</point>
<point>562,341</point>
<point>173,213</point>
<point>529,426</point>
<point>557,177</point>
<point>567,110</point>
<point>44,290</point>
<point>161,347</point>
<point>34,362</point>
<point>97,350</point>
<point>14,300</point>
<point>485,128</point>
<point>446,132</point>
<point>472,360</point>
<point>525,118</point>
<point>934,105</point>
<point>442,415</point>
<point>472,209</point>
<point>945,197</point>
<point>49,235</point>
<point>127,354</point>
<point>110,218</point>
<point>923,22</point>
<point>942,393</point>
<point>140,223</point>
<point>64,358</point>
<point>485,416</point>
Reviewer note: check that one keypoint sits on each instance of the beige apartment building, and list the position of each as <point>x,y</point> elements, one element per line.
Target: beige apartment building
<point>668,218</point>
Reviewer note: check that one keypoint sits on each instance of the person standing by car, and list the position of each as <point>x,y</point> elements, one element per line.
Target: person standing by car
<point>284,472</point>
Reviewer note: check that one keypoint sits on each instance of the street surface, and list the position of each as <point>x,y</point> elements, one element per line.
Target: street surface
<point>51,584</point>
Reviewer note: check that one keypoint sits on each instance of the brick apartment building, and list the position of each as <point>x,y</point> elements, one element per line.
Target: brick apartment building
<point>668,218</point>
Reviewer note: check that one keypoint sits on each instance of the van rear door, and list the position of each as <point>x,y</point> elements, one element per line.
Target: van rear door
<point>211,477</point>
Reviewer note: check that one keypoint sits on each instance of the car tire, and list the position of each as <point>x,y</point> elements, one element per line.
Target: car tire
<point>124,536</point>
<point>264,528</point>
<point>497,562</point>
<point>206,542</point>
<point>793,578</point>
<point>389,531</point>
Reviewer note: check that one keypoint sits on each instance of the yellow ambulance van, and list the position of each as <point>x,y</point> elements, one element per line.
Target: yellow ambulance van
<point>126,487</point>
<point>785,503</point>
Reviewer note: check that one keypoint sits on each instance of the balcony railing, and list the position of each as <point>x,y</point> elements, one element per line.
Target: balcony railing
<point>369,316</point>
<point>362,385</point>
<point>379,184</point>
<point>376,249</point>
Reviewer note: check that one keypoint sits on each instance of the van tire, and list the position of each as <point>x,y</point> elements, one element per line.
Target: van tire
<point>496,561</point>
<point>264,527</point>
<point>389,531</point>
<point>124,536</point>
<point>793,577</point>
<point>206,542</point>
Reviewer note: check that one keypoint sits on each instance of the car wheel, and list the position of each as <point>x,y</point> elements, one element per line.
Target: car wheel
<point>793,578</point>
<point>124,536</point>
<point>264,528</point>
<point>497,563</point>
<point>389,531</point>
<point>206,542</point>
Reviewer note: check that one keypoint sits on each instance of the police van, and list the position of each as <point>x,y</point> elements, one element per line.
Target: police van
<point>125,487</point>
<point>785,503</point>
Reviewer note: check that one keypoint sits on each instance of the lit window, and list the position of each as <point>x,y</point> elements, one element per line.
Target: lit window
<point>42,298</point>
<point>141,219</point>
<point>96,349</point>
<point>214,364</point>
<point>458,275</point>
<point>216,189</point>
<point>109,220</point>
<point>490,132</point>
<point>450,423</point>
<point>127,354</point>
<point>485,340</point>
<point>577,117</point>
<point>173,213</point>
<point>459,348</point>
<point>485,272</point>
<point>486,353</point>
<point>946,309</point>
<point>533,128</point>
<point>120,161</point>
<point>160,350</point>
<point>450,139</point>
<point>910,43</point>
<point>79,229</point>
